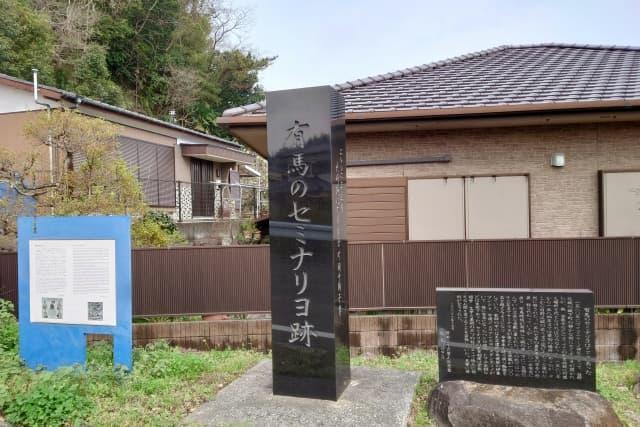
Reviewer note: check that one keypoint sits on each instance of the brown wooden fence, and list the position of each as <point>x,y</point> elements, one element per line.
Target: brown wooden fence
<point>383,276</point>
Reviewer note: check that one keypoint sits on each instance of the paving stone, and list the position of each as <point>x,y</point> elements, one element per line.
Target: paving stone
<point>375,397</point>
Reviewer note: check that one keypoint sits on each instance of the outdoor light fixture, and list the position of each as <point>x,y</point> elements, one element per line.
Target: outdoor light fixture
<point>557,160</point>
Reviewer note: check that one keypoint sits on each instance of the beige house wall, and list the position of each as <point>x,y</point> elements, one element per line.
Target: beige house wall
<point>564,201</point>
<point>146,136</point>
<point>183,165</point>
<point>13,138</point>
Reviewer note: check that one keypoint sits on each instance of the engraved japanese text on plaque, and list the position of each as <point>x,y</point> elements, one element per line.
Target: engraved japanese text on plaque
<point>525,337</point>
<point>309,304</point>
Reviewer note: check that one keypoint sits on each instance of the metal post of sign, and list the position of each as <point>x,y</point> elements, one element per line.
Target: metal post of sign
<point>179,201</point>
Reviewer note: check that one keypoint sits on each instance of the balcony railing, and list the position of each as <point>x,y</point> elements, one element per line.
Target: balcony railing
<point>195,200</point>
<point>214,200</point>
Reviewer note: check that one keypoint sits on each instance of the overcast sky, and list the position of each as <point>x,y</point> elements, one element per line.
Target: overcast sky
<point>332,41</point>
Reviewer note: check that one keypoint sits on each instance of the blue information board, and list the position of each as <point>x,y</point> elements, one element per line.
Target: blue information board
<point>74,279</point>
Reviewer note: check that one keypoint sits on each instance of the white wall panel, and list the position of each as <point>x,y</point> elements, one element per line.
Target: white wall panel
<point>497,207</point>
<point>621,203</point>
<point>436,209</point>
<point>14,100</point>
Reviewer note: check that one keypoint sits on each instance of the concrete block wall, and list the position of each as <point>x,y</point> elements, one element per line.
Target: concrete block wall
<point>617,336</point>
<point>206,335</point>
<point>391,334</point>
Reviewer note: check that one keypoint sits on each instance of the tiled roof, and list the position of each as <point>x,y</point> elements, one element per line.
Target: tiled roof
<point>102,105</point>
<point>506,75</point>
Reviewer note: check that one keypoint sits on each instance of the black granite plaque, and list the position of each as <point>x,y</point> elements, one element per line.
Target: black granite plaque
<point>309,307</point>
<point>522,337</point>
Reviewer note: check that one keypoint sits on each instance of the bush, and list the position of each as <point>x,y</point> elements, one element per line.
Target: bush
<point>51,399</point>
<point>155,229</point>
<point>163,220</point>
<point>8,327</point>
<point>10,368</point>
<point>160,360</point>
<point>30,398</point>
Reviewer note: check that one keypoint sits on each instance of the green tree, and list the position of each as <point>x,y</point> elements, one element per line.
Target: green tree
<point>72,24</point>
<point>152,56</point>
<point>175,55</point>
<point>26,40</point>
<point>91,77</point>
<point>137,38</point>
<point>93,178</point>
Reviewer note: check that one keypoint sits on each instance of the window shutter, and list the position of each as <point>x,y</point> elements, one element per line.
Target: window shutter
<point>129,153</point>
<point>147,162</point>
<point>77,159</point>
<point>166,176</point>
<point>148,172</point>
<point>154,166</point>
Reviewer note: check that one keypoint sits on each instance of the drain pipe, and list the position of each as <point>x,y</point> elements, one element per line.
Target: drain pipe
<point>49,142</point>
<point>37,101</point>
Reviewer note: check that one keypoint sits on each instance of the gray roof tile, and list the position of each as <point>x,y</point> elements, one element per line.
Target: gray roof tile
<point>506,75</point>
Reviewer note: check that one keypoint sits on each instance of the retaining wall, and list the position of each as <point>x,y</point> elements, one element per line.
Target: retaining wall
<point>617,336</point>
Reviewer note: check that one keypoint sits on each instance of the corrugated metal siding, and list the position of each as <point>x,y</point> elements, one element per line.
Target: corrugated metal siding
<point>201,280</point>
<point>381,275</point>
<point>606,266</point>
<point>9,277</point>
<point>365,276</point>
<point>636,271</point>
<point>413,270</point>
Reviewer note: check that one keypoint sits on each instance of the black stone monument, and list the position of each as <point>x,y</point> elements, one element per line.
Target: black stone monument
<point>521,337</point>
<point>307,184</point>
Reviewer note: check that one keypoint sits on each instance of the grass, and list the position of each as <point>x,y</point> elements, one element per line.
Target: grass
<point>614,382</point>
<point>165,385</point>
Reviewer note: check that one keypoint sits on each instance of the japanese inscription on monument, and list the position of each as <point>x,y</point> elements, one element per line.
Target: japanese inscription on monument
<point>309,304</point>
<point>528,337</point>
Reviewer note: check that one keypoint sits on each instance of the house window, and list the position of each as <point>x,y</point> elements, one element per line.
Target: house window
<point>620,203</point>
<point>155,169</point>
<point>469,207</point>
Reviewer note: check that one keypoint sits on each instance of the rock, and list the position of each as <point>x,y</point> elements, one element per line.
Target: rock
<point>466,403</point>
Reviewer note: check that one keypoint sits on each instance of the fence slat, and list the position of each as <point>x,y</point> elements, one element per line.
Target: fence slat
<point>201,280</point>
<point>606,266</point>
<point>413,270</point>
<point>9,277</point>
<point>389,275</point>
<point>365,276</point>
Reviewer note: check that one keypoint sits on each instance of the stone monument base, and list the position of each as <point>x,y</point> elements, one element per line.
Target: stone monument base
<point>375,397</point>
<point>466,403</point>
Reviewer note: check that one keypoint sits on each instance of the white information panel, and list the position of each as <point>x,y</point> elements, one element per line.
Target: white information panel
<point>73,281</point>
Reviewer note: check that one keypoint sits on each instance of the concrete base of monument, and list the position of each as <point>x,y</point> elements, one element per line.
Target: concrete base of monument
<point>375,397</point>
<point>467,403</point>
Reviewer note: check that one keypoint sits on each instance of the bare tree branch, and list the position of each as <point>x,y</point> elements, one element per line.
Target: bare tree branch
<point>146,18</point>
<point>225,22</point>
